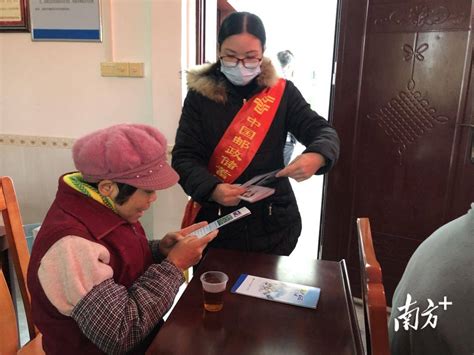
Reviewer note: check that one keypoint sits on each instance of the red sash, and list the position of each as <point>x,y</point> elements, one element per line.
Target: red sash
<point>241,141</point>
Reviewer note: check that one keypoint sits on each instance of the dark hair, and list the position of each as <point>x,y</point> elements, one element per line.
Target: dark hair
<point>242,22</point>
<point>125,191</point>
<point>285,57</point>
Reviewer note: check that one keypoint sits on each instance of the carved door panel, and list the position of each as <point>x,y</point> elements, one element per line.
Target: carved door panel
<point>405,159</point>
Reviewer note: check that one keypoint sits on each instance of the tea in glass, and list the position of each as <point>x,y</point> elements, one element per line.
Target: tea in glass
<point>213,288</point>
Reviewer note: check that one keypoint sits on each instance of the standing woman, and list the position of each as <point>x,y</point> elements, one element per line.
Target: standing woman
<point>233,126</point>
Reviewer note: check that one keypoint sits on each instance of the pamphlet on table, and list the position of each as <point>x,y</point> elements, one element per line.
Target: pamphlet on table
<point>278,291</point>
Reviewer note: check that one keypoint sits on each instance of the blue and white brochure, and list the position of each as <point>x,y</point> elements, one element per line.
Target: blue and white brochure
<point>278,291</point>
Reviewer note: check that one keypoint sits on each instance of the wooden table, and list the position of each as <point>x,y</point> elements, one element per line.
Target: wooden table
<point>248,325</point>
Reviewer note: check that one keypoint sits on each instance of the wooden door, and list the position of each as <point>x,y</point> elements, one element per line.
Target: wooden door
<point>223,9</point>
<point>402,104</point>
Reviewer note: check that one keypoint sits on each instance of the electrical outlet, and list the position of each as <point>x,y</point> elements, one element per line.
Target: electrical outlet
<point>136,69</point>
<point>114,69</point>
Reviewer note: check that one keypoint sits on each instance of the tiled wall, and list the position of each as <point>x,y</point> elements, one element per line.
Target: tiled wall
<point>34,164</point>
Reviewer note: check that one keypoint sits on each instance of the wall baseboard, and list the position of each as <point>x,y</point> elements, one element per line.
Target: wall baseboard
<point>36,141</point>
<point>50,142</point>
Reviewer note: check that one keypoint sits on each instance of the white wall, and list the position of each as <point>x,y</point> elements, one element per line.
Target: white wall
<point>167,97</point>
<point>54,89</point>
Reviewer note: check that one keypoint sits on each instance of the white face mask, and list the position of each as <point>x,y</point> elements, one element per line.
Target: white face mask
<point>240,75</point>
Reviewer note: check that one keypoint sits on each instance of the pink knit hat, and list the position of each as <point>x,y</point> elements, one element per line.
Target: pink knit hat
<point>134,154</point>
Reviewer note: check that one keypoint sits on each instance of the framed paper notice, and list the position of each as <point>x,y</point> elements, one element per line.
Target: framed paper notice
<point>65,20</point>
<point>14,15</point>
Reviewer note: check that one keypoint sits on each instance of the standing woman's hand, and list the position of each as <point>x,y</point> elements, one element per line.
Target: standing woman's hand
<point>227,194</point>
<point>303,167</point>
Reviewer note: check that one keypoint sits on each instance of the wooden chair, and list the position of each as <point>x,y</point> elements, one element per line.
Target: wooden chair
<point>9,329</point>
<point>17,246</point>
<point>373,293</point>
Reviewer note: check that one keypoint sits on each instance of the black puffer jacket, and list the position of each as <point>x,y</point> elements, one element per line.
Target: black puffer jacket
<point>212,102</point>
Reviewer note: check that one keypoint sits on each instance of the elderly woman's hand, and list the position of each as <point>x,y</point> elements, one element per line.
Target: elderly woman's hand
<point>303,167</point>
<point>170,239</point>
<point>188,251</point>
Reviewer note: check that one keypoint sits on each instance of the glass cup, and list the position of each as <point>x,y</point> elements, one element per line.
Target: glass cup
<point>213,288</point>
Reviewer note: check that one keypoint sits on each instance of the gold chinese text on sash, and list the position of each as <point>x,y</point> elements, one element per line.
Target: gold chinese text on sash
<point>241,140</point>
<point>245,134</point>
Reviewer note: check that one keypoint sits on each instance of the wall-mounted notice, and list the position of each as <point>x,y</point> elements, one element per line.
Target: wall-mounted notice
<point>13,15</point>
<point>65,20</point>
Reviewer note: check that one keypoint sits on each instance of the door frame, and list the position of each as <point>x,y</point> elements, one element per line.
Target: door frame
<point>351,18</point>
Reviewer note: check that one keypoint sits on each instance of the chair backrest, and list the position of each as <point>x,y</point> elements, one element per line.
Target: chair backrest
<point>8,327</point>
<point>8,324</point>
<point>17,245</point>
<point>373,293</point>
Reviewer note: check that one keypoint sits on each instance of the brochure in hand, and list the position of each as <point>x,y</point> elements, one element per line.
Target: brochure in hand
<point>228,218</point>
<point>255,189</point>
<point>278,291</point>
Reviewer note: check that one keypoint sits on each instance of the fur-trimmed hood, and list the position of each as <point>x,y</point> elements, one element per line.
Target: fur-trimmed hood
<point>207,80</point>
